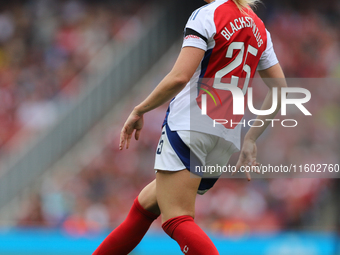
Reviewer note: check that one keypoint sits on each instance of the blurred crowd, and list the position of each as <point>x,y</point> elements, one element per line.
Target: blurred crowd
<point>44,48</point>
<point>307,41</point>
<point>99,197</point>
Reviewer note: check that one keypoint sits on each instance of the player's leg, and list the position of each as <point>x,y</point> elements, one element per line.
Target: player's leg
<point>130,232</point>
<point>147,198</point>
<point>176,195</point>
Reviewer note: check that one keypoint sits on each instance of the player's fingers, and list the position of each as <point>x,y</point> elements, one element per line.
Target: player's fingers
<point>255,163</point>
<point>137,133</point>
<point>121,144</point>
<point>128,139</point>
<point>257,167</point>
<point>238,166</point>
<point>249,159</point>
<point>248,176</point>
<point>122,139</point>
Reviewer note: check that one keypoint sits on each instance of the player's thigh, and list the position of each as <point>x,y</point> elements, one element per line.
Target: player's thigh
<point>221,154</point>
<point>176,193</point>
<point>148,199</point>
<point>217,158</point>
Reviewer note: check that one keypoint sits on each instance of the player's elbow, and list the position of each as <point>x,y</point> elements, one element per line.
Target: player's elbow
<point>281,82</point>
<point>179,79</point>
<point>182,81</point>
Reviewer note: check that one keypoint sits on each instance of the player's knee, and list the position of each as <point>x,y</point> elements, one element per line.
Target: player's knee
<point>149,204</point>
<point>177,213</point>
<point>148,199</point>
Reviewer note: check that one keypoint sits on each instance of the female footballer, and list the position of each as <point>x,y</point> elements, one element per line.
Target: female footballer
<point>225,43</point>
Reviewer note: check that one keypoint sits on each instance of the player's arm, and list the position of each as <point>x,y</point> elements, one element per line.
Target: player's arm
<point>184,68</point>
<point>273,78</point>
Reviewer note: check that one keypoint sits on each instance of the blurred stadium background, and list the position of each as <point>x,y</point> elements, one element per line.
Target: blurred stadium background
<point>71,71</point>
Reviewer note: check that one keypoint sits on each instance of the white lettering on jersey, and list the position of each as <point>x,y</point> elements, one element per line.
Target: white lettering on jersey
<point>191,37</point>
<point>239,24</point>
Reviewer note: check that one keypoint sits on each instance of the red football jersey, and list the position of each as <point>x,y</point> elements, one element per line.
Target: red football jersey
<point>236,44</point>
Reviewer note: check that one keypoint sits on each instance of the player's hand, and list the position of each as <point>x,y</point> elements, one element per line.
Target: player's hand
<point>133,122</point>
<point>247,157</point>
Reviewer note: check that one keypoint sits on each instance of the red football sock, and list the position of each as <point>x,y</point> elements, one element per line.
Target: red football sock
<point>189,236</point>
<point>127,235</point>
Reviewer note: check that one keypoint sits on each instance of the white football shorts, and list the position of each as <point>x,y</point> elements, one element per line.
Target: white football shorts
<point>194,151</point>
